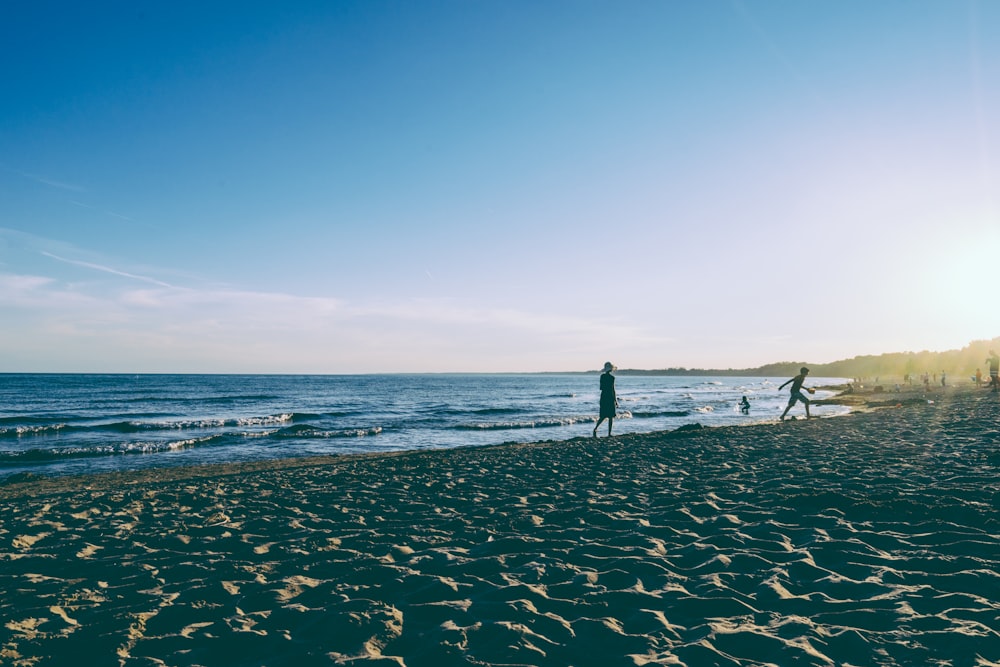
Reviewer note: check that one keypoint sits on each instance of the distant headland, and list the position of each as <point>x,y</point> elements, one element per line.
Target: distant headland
<point>955,362</point>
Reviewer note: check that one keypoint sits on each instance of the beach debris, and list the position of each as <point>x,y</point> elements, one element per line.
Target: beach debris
<point>688,427</point>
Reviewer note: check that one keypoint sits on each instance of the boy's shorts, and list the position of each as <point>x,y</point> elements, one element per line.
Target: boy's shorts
<point>797,396</point>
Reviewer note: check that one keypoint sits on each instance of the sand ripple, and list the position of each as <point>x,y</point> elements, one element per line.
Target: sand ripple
<point>872,539</point>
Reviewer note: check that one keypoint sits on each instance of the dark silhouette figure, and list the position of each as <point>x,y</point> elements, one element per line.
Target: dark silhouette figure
<point>796,392</point>
<point>609,400</point>
<point>745,406</point>
<point>994,361</point>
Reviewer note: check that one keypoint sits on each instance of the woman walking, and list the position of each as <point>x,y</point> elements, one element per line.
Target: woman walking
<point>609,401</point>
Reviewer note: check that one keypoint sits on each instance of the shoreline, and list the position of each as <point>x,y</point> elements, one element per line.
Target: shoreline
<point>864,400</point>
<point>184,422</point>
<point>873,537</point>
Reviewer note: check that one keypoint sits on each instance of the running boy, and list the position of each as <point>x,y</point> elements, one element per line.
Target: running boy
<point>796,392</point>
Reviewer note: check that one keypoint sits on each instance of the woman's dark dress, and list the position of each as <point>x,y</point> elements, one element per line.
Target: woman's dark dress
<point>608,402</point>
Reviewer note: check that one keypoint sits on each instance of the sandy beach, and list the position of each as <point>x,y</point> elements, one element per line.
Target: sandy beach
<point>870,539</point>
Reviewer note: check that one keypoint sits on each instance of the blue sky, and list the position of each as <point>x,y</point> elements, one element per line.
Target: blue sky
<point>338,187</point>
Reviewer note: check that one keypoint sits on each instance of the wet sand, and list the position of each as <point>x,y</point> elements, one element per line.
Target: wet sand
<point>870,539</point>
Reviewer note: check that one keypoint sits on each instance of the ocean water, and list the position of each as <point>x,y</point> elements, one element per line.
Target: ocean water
<point>69,424</point>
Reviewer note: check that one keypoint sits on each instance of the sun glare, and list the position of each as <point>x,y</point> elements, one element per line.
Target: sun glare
<point>959,288</point>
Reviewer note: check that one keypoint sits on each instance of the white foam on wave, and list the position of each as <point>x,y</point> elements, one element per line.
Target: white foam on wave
<point>528,423</point>
<point>348,433</point>
<point>269,420</point>
<point>33,430</point>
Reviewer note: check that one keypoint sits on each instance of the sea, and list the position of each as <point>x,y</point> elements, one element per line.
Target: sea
<point>64,424</point>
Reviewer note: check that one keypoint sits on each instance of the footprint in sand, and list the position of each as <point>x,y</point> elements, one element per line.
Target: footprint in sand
<point>61,613</point>
<point>26,629</point>
<point>294,587</point>
<point>88,551</point>
<point>24,542</point>
<point>263,548</point>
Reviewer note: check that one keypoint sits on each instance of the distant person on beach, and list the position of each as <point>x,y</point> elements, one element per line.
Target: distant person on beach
<point>979,378</point>
<point>944,379</point>
<point>994,361</point>
<point>796,392</point>
<point>745,406</point>
<point>609,400</point>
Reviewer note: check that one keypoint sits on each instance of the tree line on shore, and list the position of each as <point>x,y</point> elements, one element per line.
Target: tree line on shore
<point>963,362</point>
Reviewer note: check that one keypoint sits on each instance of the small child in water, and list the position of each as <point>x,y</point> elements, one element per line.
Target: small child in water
<point>745,406</point>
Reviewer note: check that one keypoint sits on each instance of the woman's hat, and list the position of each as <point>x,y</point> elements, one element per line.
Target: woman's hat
<point>608,366</point>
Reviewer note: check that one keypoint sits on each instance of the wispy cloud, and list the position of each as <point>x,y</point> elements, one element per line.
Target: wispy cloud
<point>450,313</point>
<point>138,320</point>
<point>106,269</point>
<point>40,293</point>
<point>224,329</point>
<point>69,187</point>
<point>51,182</point>
<point>22,283</point>
<point>101,210</point>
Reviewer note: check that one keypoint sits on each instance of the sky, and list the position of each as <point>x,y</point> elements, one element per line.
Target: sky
<point>494,185</point>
